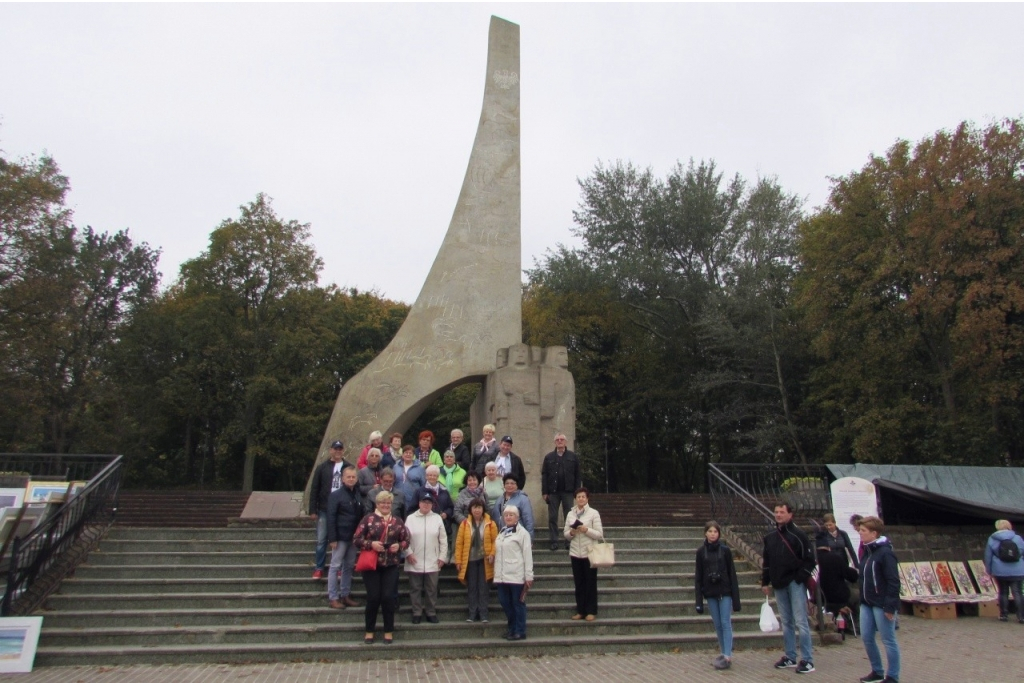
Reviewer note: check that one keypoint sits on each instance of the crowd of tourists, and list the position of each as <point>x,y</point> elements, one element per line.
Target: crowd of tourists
<point>413,508</point>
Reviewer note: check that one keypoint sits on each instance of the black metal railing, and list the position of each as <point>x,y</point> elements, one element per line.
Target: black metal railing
<point>743,495</point>
<point>63,467</point>
<point>40,560</point>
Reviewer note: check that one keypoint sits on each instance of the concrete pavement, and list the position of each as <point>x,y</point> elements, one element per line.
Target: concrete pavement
<point>964,650</point>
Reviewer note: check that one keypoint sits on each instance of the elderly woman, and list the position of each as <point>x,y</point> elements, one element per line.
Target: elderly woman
<point>1004,561</point>
<point>387,535</point>
<point>375,441</point>
<point>474,557</point>
<point>443,505</point>
<point>452,475</point>
<point>472,491</point>
<point>485,450</point>
<point>425,453</point>
<point>716,581</point>
<point>582,529</point>
<point>493,487</point>
<point>513,572</point>
<point>832,539</point>
<point>879,600</point>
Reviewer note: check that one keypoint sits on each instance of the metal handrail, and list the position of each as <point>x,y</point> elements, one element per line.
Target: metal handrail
<point>69,467</point>
<point>41,559</point>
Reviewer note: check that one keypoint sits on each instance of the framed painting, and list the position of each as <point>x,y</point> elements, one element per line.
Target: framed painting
<point>12,497</point>
<point>927,575</point>
<point>962,577</point>
<point>986,585</point>
<point>46,492</point>
<point>914,584</point>
<point>945,578</point>
<point>19,637</point>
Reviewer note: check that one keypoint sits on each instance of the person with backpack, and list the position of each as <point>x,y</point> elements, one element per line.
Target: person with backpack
<point>715,580</point>
<point>1004,561</point>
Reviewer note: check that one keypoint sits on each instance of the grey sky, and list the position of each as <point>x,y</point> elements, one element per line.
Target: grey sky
<point>359,119</point>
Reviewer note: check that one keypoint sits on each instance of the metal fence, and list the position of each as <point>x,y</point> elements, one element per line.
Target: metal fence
<point>61,467</point>
<point>40,560</point>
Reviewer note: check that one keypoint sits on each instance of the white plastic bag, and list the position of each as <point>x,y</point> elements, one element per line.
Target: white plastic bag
<point>769,624</point>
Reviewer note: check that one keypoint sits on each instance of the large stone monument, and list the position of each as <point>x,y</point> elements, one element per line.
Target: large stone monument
<point>469,312</point>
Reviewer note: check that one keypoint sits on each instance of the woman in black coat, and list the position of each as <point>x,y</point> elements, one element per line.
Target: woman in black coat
<point>715,580</point>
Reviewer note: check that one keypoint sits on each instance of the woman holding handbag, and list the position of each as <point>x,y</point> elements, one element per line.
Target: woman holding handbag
<point>582,529</point>
<point>715,580</point>
<point>381,538</point>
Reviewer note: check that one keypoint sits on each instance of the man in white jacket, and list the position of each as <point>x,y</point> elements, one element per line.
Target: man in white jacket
<point>428,549</point>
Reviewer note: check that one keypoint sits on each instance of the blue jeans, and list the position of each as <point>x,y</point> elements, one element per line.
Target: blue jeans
<point>343,558</point>
<point>321,540</point>
<point>792,603</point>
<point>515,609</point>
<point>721,616</point>
<point>873,620</point>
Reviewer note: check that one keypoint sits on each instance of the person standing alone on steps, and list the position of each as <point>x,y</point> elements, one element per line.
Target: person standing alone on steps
<point>560,478</point>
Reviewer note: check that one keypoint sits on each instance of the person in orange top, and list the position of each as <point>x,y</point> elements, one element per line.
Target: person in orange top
<point>474,557</point>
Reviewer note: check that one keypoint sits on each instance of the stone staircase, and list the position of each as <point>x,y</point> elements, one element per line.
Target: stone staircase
<point>651,509</point>
<point>164,595</point>
<point>179,508</point>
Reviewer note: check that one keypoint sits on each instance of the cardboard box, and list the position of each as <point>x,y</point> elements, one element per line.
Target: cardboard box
<point>942,612</point>
<point>989,609</point>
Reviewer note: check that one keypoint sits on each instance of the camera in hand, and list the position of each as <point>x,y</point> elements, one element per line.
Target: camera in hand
<point>576,524</point>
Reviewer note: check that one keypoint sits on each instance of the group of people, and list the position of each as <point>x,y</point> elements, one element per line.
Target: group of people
<point>418,509</point>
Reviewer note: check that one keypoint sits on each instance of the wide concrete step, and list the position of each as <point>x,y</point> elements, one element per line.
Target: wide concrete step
<point>259,556</point>
<point>243,600</point>
<point>607,578</point>
<point>352,629</point>
<point>321,614</point>
<point>154,535</point>
<point>408,645</point>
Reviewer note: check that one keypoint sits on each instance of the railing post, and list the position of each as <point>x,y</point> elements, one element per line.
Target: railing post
<point>12,578</point>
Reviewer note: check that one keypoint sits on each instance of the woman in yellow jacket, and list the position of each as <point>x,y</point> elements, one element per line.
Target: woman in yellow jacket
<point>474,557</point>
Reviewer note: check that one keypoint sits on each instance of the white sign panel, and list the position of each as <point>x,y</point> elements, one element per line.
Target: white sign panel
<point>853,496</point>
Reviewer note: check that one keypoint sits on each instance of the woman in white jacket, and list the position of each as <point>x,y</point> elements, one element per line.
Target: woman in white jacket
<point>513,572</point>
<point>582,530</point>
<point>428,549</point>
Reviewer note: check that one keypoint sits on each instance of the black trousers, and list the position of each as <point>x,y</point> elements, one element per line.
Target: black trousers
<point>381,591</point>
<point>565,499</point>
<point>585,579</point>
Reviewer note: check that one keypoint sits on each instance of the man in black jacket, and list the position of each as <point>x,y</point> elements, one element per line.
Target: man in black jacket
<point>344,512</point>
<point>326,479</point>
<point>788,564</point>
<point>508,462</point>
<point>560,477</point>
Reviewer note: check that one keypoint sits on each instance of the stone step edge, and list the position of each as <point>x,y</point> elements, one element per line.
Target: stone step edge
<point>357,625</point>
<point>429,646</point>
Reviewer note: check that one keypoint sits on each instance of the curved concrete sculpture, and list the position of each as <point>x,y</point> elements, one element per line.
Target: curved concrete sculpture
<point>471,303</point>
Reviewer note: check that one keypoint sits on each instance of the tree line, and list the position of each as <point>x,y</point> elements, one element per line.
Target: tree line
<point>708,319</point>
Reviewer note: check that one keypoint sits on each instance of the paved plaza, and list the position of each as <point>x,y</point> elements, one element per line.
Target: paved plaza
<point>964,650</point>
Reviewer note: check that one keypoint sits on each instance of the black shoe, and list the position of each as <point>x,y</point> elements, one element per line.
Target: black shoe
<point>554,546</point>
<point>513,638</point>
<point>1003,618</point>
<point>432,619</point>
<point>567,544</point>
<point>889,679</point>
<point>785,662</point>
<point>416,620</point>
<point>804,667</point>
<point>873,677</point>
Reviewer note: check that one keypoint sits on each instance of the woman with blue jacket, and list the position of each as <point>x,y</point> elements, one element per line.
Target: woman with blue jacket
<point>1008,573</point>
<point>879,600</point>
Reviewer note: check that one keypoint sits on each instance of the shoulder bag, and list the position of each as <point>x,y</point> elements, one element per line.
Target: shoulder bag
<point>367,560</point>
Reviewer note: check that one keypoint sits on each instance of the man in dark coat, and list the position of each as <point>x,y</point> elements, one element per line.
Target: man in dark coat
<point>788,564</point>
<point>508,462</point>
<point>344,512</point>
<point>326,479</point>
<point>560,477</point>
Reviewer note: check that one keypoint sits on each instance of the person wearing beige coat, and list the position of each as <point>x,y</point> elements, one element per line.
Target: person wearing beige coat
<point>582,529</point>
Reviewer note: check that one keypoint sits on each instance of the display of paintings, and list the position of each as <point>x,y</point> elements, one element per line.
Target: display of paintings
<point>76,487</point>
<point>986,585</point>
<point>928,579</point>
<point>945,578</point>
<point>914,585</point>
<point>962,578</point>
<point>46,492</point>
<point>33,514</point>
<point>12,497</point>
<point>19,637</point>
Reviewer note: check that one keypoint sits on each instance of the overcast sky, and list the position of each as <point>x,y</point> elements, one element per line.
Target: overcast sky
<point>359,119</point>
